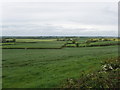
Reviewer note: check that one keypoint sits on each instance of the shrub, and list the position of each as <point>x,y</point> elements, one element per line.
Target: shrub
<point>107,77</point>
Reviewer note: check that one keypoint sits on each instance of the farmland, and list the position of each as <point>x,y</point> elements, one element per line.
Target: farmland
<point>50,67</point>
<point>41,44</point>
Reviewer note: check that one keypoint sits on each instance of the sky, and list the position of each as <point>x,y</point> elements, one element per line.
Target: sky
<point>60,19</point>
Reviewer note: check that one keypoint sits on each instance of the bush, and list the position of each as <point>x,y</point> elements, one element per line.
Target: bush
<point>107,77</point>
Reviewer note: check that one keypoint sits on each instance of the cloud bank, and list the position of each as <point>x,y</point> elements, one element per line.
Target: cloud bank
<point>60,18</point>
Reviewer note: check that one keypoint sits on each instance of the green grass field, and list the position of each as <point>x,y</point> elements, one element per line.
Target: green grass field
<point>40,44</point>
<point>34,40</point>
<point>99,43</point>
<point>52,43</point>
<point>104,43</point>
<point>50,67</point>
<point>46,68</point>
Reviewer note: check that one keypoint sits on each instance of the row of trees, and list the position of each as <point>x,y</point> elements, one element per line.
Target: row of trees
<point>4,40</point>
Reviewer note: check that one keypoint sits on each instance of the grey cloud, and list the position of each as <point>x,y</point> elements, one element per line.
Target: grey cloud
<point>44,16</point>
<point>49,29</point>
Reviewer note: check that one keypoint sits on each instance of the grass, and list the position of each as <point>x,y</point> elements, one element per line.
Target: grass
<point>49,68</point>
<point>52,43</point>
<point>40,44</point>
<point>82,40</point>
<point>7,43</point>
<point>107,77</point>
<point>104,42</point>
<point>83,44</point>
<point>34,40</point>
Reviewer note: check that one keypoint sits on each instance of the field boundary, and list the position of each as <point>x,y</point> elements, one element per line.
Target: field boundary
<point>66,46</point>
<point>31,48</point>
<point>96,45</point>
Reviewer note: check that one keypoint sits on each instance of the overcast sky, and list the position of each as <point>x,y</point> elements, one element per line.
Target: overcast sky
<point>60,18</point>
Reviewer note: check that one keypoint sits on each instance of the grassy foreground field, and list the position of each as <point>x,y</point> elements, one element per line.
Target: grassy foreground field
<point>50,68</point>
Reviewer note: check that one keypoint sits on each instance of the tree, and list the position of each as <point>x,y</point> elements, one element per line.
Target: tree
<point>14,40</point>
<point>88,42</point>
<point>77,44</point>
<point>73,41</point>
<point>3,40</point>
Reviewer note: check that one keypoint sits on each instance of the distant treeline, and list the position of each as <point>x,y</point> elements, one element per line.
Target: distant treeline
<point>52,37</point>
<point>40,37</point>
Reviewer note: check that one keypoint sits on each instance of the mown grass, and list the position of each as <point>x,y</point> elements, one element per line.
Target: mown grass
<point>49,68</point>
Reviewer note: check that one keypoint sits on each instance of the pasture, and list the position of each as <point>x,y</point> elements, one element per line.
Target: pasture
<point>49,68</point>
<point>42,44</point>
<point>34,40</point>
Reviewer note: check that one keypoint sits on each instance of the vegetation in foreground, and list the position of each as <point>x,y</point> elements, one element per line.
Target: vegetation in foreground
<point>107,77</point>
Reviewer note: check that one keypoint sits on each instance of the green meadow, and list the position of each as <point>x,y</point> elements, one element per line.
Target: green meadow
<point>49,68</point>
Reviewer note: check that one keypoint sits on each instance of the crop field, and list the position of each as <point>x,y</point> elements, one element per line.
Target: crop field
<point>50,68</point>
